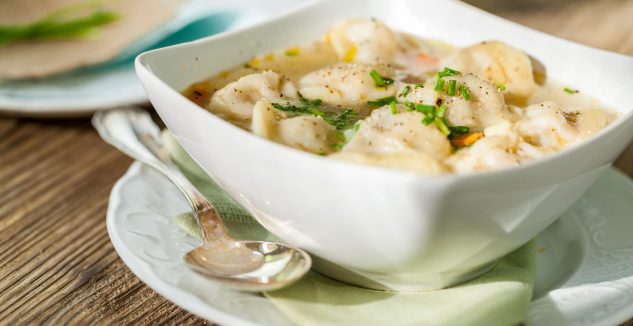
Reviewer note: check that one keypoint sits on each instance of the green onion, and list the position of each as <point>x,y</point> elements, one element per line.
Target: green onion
<point>459,130</point>
<point>571,90</point>
<point>394,109</point>
<point>419,85</point>
<point>382,101</point>
<point>426,109</point>
<point>441,112</point>
<point>464,92</point>
<point>442,126</point>
<point>439,85</point>
<point>406,91</point>
<point>428,119</point>
<point>379,80</point>
<point>410,106</point>
<point>500,86</point>
<point>452,85</point>
<point>448,72</point>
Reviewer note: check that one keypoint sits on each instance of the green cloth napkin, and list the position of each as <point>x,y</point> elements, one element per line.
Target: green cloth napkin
<point>499,297</point>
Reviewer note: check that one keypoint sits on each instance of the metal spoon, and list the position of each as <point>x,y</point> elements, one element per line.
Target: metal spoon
<point>246,265</point>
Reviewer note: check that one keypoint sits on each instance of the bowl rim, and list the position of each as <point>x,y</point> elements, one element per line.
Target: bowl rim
<point>141,66</point>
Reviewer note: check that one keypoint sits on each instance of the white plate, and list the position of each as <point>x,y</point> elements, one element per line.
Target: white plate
<point>114,83</point>
<point>584,261</point>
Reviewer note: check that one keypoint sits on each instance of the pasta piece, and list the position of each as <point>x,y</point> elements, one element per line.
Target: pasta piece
<point>363,40</point>
<point>498,63</point>
<point>489,153</point>
<point>545,125</point>
<point>346,84</point>
<point>383,132</point>
<point>485,107</point>
<point>236,100</point>
<point>306,132</point>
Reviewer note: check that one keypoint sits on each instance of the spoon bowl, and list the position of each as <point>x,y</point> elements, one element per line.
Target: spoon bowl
<point>255,266</point>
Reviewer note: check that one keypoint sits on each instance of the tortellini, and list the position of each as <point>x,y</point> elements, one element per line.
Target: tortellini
<point>499,63</point>
<point>363,40</point>
<point>236,100</point>
<point>307,133</point>
<point>384,132</point>
<point>345,84</point>
<point>485,107</point>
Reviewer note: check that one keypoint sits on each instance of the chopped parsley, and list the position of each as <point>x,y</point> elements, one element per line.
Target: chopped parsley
<point>379,80</point>
<point>571,90</point>
<point>382,101</point>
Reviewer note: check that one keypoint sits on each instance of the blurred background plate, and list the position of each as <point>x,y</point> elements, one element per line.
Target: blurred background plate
<point>112,84</point>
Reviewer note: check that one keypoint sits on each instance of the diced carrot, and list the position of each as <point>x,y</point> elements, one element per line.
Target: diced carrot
<point>467,140</point>
<point>427,60</point>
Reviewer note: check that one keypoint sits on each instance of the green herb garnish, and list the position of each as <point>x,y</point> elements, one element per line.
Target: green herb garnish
<point>571,90</point>
<point>406,91</point>
<point>439,85</point>
<point>448,72</point>
<point>340,120</point>
<point>58,25</point>
<point>428,119</point>
<point>500,86</point>
<point>419,85</point>
<point>379,80</point>
<point>426,109</point>
<point>410,106</point>
<point>465,94</point>
<point>394,108</point>
<point>382,101</point>
<point>452,86</point>
<point>441,125</point>
<point>441,112</point>
<point>459,130</point>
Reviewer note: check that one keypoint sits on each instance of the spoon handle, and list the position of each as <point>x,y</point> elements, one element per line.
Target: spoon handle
<point>133,132</point>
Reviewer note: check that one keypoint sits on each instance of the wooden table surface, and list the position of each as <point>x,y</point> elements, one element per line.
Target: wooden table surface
<point>57,264</point>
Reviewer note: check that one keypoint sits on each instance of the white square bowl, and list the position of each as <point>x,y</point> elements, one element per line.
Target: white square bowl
<point>382,228</point>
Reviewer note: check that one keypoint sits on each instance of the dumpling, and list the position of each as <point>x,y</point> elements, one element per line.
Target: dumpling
<point>346,84</point>
<point>545,125</point>
<point>489,153</point>
<point>410,161</point>
<point>486,106</point>
<point>305,132</point>
<point>236,100</point>
<point>497,62</point>
<point>363,40</point>
<point>384,132</point>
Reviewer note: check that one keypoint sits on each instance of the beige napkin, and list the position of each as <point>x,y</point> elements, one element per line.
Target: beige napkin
<point>41,58</point>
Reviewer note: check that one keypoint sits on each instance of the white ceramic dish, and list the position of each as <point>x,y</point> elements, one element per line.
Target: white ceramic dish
<point>584,260</point>
<point>114,83</point>
<point>395,229</point>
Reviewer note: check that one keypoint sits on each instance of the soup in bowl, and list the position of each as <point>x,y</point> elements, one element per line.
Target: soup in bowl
<point>404,162</point>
